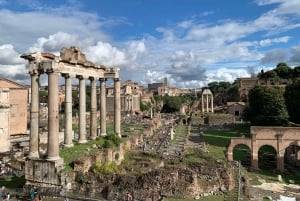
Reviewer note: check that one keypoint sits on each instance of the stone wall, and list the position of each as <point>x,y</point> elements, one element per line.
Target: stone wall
<point>107,155</point>
<point>44,173</point>
<point>219,119</point>
<point>18,106</point>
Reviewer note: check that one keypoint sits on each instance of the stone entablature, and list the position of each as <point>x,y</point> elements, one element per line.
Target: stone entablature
<point>70,64</point>
<point>280,138</point>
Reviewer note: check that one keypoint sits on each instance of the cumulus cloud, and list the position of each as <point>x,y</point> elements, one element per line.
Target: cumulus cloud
<point>184,67</point>
<point>54,43</point>
<point>11,65</point>
<point>14,30</point>
<point>8,55</point>
<point>295,52</point>
<point>226,74</point>
<point>190,53</point>
<point>275,56</point>
<point>106,54</point>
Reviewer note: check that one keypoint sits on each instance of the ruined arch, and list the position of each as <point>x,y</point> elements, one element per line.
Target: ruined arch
<point>267,157</point>
<point>242,153</point>
<point>292,156</point>
<point>280,138</point>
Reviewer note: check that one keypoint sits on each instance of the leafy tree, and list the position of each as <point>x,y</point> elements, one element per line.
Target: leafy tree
<point>271,74</point>
<point>266,107</point>
<point>171,104</point>
<point>233,92</point>
<point>292,99</point>
<point>145,107</point>
<point>296,72</point>
<point>283,70</point>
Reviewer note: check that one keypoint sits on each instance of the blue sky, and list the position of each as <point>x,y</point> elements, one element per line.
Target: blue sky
<point>191,42</point>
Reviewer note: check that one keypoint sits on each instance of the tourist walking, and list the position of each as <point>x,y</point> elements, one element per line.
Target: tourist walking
<point>31,193</point>
<point>8,197</point>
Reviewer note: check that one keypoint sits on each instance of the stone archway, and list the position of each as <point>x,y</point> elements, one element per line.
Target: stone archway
<point>292,157</point>
<point>242,153</point>
<point>278,137</point>
<point>267,157</point>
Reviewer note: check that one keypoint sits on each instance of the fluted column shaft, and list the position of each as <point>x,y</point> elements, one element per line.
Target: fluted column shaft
<point>82,110</point>
<point>93,119</point>
<point>53,118</point>
<point>102,107</point>
<point>68,112</point>
<point>117,120</point>
<point>34,117</point>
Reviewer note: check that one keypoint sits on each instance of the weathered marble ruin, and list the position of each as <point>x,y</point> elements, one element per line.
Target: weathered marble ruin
<point>206,98</point>
<point>71,63</point>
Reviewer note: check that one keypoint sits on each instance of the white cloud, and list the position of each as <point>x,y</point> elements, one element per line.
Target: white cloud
<point>8,56</point>
<point>16,29</point>
<point>295,58</point>
<point>191,53</point>
<point>275,56</point>
<point>54,43</point>
<point>226,74</point>
<point>106,54</point>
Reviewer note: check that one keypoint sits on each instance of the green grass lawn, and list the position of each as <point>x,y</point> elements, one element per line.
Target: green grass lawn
<point>218,141</point>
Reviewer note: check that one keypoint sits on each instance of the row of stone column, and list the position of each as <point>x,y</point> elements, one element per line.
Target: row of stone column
<point>53,112</point>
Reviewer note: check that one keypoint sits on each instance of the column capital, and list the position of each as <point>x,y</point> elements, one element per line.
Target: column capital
<point>66,75</point>
<point>49,71</point>
<point>279,135</point>
<point>33,72</point>
<point>102,79</point>
<point>117,79</point>
<point>80,77</point>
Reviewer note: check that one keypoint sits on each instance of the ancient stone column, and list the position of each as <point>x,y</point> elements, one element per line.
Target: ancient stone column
<point>254,152</point>
<point>102,107</point>
<point>82,110</point>
<point>212,103</point>
<point>93,117</point>
<point>34,116</point>
<point>207,110</point>
<point>280,152</point>
<point>117,100</point>
<point>68,111</point>
<point>202,103</point>
<point>53,118</point>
